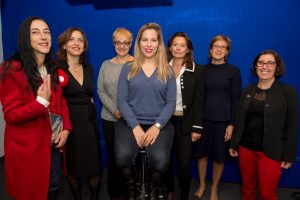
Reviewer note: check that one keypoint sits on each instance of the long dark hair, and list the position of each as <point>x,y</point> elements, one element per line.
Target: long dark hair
<point>26,57</point>
<point>189,57</point>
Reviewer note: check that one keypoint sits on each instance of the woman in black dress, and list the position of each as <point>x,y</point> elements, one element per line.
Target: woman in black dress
<point>82,149</point>
<point>222,92</point>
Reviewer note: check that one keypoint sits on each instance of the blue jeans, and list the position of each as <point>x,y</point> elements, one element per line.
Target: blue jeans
<point>55,173</point>
<point>126,147</point>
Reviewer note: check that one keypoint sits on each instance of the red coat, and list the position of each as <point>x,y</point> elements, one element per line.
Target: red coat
<point>27,136</point>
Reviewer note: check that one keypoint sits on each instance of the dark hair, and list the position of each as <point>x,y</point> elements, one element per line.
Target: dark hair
<point>280,67</point>
<point>64,38</point>
<point>26,57</point>
<point>189,57</point>
<point>217,38</point>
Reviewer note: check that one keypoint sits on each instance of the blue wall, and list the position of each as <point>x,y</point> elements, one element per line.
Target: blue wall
<point>253,25</point>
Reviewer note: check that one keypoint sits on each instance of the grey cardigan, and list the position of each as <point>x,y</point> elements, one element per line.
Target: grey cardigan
<point>107,88</point>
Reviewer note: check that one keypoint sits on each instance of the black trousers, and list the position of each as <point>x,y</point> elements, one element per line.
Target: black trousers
<point>182,151</point>
<point>158,154</point>
<point>114,175</point>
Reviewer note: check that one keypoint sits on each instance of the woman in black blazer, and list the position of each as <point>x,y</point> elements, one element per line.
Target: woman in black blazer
<point>187,119</point>
<point>265,133</point>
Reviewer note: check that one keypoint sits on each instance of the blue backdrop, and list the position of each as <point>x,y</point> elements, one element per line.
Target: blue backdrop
<point>253,25</point>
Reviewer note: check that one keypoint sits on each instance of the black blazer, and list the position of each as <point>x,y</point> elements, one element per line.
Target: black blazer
<point>280,121</point>
<point>192,91</point>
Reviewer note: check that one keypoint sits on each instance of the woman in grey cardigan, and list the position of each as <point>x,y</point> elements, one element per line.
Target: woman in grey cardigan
<point>107,91</point>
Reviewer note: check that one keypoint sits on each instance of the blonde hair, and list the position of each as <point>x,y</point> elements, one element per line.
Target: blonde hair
<point>122,31</point>
<point>161,61</point>
<point>218,38</point>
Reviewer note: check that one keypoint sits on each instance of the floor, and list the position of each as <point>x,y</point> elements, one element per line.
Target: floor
<point>227,191</point>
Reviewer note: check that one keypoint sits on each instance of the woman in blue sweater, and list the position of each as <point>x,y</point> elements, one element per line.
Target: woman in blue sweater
<point>146,100</point>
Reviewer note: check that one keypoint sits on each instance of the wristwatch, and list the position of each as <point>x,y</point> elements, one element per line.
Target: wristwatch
<point>157,125</point>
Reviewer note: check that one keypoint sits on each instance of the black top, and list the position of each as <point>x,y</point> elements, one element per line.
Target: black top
<point>254,127</point>
<point>222,92</point>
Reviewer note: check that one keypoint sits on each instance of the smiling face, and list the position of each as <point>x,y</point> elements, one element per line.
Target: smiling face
<point>122,44</point>
<point>75,45</point>
<point>266,67</point>
<point>149,43</point>
<point>40,38</point>
<point>219,51</point>
<point>179,48</point>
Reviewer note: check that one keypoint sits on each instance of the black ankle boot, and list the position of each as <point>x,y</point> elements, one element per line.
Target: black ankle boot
<point>130,184</point>
<point>155,187</point>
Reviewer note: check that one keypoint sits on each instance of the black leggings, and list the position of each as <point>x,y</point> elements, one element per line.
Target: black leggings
<point>94,185</point>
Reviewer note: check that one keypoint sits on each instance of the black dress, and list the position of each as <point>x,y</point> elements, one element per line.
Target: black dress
<point>82,148</point>
<point>222,93</point>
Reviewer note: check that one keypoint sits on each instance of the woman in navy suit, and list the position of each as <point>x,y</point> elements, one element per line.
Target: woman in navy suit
<point>222,92</point>
<point>265,134</point>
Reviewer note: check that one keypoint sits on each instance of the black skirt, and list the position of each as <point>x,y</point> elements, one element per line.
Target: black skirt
<point>212,144</point>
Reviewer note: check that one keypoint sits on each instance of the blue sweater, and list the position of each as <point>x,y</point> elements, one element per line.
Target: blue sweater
<point>143,100</point>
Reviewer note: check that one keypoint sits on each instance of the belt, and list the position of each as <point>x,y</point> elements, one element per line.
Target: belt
<point>178,113</point>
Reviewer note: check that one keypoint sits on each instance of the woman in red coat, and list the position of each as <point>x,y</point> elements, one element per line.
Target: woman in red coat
<point>29,90</point>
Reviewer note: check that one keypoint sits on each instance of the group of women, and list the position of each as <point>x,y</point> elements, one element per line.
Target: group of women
<point>159,99</point>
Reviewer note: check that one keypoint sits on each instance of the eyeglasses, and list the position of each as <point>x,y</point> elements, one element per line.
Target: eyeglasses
<point>125,43</point>
<point>222,47</point>
<point>268,64</point>
<point>78,40</point>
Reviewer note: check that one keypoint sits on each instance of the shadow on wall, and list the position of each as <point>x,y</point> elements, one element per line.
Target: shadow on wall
<point>113,4</point>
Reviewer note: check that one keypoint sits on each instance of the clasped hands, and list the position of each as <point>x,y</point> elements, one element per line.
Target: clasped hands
<point>147,138</point>
<point>44,90</point>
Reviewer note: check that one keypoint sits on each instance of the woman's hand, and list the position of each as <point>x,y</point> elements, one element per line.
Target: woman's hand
<point>44,90</point>
<point>61,139</point>
<point>139,135</point>
<point>233,152</point>
<point>228,132</point>
<point>286,165</point>
<point>151,135</point>
<point>195,136</point>
<point>117,114</point>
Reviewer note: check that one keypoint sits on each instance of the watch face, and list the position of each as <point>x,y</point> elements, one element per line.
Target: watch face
<point>158,125</point>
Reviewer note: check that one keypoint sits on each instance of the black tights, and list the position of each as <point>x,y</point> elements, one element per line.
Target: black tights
<point>94,185</point>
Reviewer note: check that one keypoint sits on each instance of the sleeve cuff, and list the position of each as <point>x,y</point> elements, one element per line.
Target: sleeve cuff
<point>42,101</point>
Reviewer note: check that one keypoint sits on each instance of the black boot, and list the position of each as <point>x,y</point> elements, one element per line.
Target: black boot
<point>156,190</point>
<point>130,183</point>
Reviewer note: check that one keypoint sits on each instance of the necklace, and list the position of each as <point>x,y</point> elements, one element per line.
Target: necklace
<point>122,60</point>
<point>75,69</point>
<point>177,70</point>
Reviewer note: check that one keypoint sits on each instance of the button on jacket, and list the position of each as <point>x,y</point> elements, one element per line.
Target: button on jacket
<point>192,90</point>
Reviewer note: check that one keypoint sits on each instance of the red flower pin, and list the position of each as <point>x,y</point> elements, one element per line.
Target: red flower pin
<point>62,78</point>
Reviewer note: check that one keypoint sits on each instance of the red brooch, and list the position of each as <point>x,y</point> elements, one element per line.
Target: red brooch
<point>62,78</point>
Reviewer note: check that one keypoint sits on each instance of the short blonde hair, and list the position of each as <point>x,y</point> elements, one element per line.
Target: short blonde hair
<point>122,31</point>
